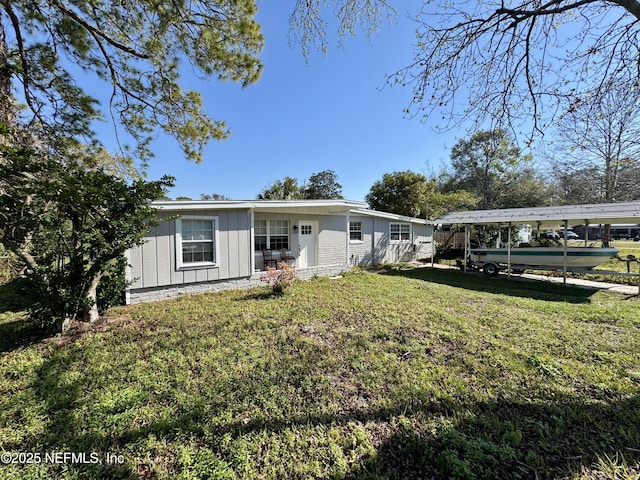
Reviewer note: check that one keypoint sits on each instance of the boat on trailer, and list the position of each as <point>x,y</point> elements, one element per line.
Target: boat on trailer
<point>577,259</point>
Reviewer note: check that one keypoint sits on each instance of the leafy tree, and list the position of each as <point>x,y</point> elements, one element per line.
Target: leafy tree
<point>322,185</point>
<point>70,227</point>
<point>213,196</point>
<point>411,194</point>
<point>134,47</point>
<point>492,167</point>
<point>184,198</point>
<point>286,189</point>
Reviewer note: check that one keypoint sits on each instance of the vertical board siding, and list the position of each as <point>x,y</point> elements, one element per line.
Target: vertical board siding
<point>153,264</point>
<point>149,263</point>
<point>163,265</point>
<point>135,270</point>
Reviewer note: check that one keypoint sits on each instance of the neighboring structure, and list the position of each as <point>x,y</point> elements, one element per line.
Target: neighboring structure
<point>214,245</point>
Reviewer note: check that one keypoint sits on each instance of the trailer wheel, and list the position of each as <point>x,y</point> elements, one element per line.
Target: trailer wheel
<point>490,269</point>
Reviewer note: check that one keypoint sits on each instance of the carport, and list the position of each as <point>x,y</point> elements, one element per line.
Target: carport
<point>550,217</point>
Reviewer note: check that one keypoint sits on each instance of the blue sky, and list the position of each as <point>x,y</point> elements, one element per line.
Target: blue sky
<point>331,112</point>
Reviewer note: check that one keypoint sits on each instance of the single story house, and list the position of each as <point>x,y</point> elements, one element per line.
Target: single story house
<point>213,245</point>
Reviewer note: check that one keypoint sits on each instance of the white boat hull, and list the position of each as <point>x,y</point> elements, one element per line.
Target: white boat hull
<point>583,258</point>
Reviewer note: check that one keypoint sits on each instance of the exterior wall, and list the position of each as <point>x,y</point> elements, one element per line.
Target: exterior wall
<point>332,239</point>
<point>331,246</point>
<point>361,253</point>
<point>153,264</point>
<point>156,276</point>
<point>376,247</point>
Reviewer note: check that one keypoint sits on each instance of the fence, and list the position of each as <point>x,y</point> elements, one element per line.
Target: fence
<point>454,239</point>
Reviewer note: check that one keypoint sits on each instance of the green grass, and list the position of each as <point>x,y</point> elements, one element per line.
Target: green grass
<point>406,374</point>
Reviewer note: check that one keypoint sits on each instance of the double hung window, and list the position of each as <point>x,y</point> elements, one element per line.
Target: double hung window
<point>355,231</point>
<point>271,234</point>
<point>196,241</point>
<point>400,232</point>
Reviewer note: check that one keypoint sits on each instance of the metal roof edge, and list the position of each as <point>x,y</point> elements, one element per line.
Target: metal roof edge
<point>178,205</point>
<point>597,212</point>
<point>390,216</point>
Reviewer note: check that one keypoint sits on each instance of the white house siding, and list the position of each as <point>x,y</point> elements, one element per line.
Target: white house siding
<point>376,247</point>
<point>153,264</point>
<point>331,246</point>
<point>332,240</point>
<point>154,268</point>
<point>361,253</point>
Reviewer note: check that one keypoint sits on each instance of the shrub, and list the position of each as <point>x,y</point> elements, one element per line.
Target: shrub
<point>279,278</point>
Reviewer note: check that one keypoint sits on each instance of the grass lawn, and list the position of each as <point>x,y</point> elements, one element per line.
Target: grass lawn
<point>404,374</point>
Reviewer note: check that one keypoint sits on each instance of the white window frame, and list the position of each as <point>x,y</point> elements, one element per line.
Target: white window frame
<point>271,234</point>
<point>180,264</point>
<point>400,232</point>
<point>360,231</point>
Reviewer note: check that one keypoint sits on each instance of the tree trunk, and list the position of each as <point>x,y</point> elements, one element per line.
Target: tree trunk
<point>66,324</point>
<point>91,314</point>
<point>7,104</point>
<point>606,235</point>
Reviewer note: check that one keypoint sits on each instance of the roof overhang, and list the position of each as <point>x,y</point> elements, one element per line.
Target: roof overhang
<point>390,216</point>
<point>271,206</point>
<point>628,212</point>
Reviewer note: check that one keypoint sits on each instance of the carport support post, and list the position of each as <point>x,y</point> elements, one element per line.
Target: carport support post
<point>564,262</point>
<point>586,233</point>
<point>466,246</point>
<point>509,251</point>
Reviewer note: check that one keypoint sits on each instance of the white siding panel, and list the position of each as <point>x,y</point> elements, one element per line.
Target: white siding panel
<point>135,261</point>
<point>233,255</point>
<point>163,253</point>
<point>149,265</point>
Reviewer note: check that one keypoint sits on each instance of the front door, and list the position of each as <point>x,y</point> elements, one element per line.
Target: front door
<point>307,234</point>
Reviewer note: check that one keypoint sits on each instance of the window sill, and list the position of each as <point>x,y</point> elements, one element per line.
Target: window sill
<point>356,242</point>
<point>197,266</point>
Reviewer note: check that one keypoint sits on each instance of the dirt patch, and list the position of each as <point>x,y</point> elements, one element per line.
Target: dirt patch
<point>80,329</point>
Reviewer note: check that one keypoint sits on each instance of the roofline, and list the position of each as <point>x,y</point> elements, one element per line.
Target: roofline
<point>390,216</point>
<point>625,212</point>
<point>179,205</point>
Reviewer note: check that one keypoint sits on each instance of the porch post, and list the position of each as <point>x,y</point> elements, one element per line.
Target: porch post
<point>347,235</point>
<point>252,243</point>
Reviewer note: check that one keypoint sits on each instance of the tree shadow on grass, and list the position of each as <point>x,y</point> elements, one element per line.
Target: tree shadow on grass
<point>423,437</point>
<point>13,296</point>
<point>513,287</point>
<point>17,330</point>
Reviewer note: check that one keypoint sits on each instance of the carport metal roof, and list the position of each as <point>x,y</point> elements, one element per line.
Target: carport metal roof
<point>620,213</point>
